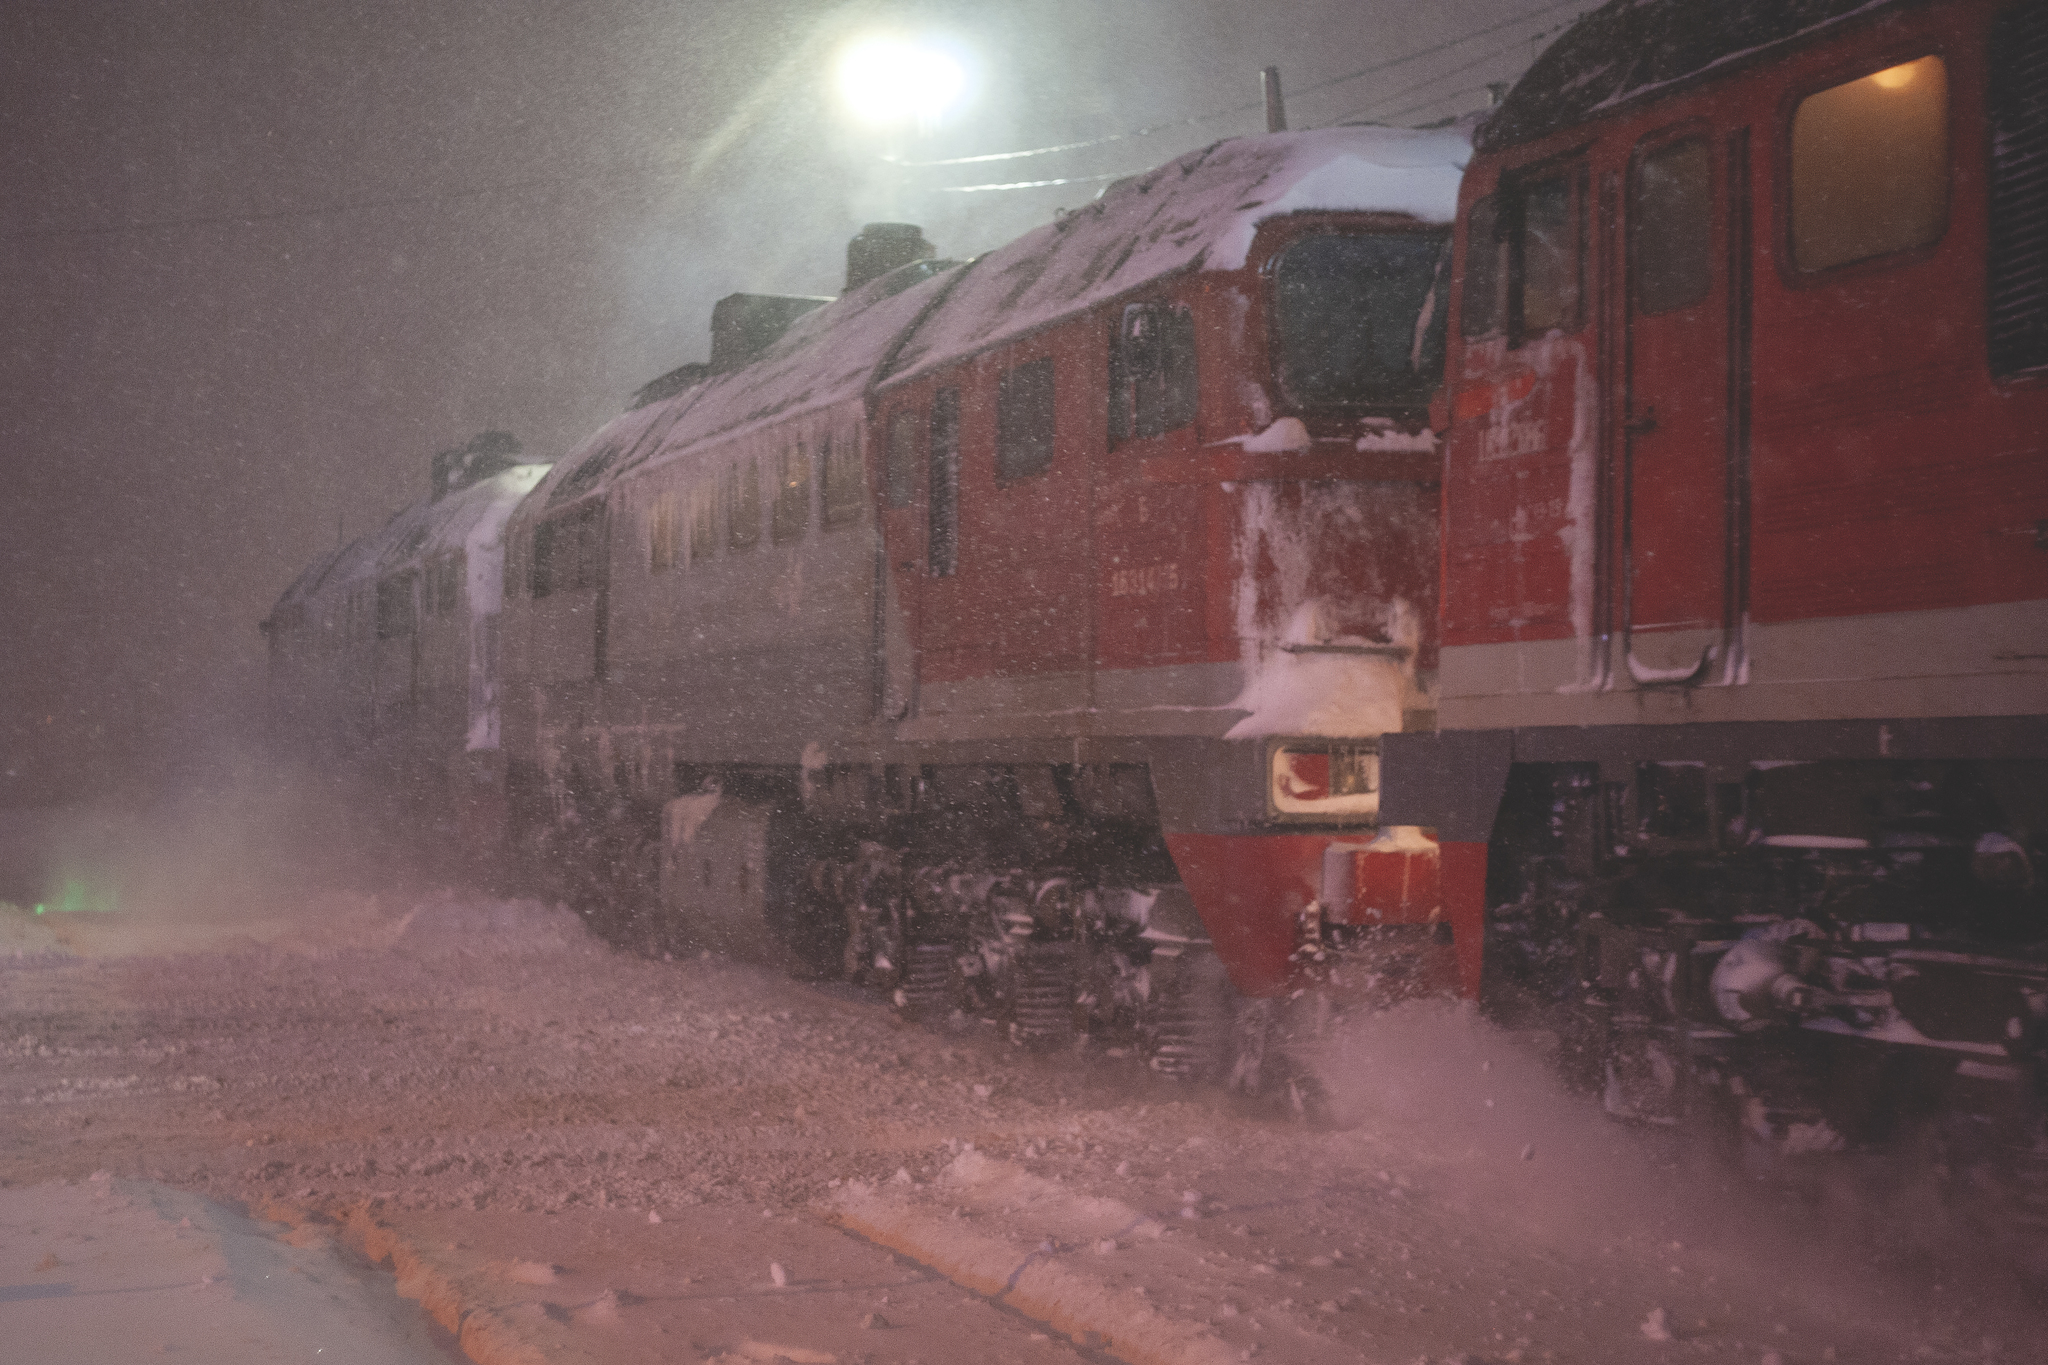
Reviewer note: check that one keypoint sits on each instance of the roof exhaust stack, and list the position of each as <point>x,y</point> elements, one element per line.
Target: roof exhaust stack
<point>489,453</point>
<point>744,325</point>
<point>1276,105</point>
<point>881,248</point>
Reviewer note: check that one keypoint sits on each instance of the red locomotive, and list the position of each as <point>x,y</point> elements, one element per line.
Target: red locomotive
<point>1005,632</point>
<point>1741,760</point>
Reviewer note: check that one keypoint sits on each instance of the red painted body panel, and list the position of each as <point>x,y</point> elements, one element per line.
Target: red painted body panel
<point>1463,876</point>
<point>1887,470</point>
<point>1365,885</point>
<point>1251,889</point>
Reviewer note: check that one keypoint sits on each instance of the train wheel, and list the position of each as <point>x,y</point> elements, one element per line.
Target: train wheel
<point>1185,1022</point>
<point>1043,1000</point>
<point>930,989</point>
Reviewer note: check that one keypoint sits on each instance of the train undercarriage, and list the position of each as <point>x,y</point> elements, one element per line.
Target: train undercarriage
<point>1705,968</point>
<point>1821,960</point>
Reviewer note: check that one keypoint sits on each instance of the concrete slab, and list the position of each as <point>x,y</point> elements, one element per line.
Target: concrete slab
<point>124,1270</point>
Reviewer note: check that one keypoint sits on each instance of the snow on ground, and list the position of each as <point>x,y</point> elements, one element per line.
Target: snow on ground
<point>449,1058</point>
<point>119,1270</point>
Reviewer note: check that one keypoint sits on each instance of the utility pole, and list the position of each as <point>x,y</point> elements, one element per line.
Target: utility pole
<point>1276,107</point>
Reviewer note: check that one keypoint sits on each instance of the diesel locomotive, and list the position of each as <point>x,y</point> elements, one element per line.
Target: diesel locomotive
<point>1015,634</point>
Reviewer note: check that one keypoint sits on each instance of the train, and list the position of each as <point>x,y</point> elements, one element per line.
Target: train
<point>1587,559</point>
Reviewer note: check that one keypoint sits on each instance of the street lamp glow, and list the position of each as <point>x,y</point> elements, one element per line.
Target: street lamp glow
<point>886,81</point>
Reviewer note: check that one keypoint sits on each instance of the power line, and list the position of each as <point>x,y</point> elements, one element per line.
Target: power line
<point>1150,129</point>
<point>1036,184</point>
<point>1439,77</point>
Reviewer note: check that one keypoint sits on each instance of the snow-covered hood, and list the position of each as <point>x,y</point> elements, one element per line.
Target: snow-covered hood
<point>1200,211</point>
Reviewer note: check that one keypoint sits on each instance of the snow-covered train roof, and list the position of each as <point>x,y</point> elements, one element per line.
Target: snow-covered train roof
<point>826,357</point>
<point>1199,211</point>
<point>1630,49</point>
<point>416,534</point>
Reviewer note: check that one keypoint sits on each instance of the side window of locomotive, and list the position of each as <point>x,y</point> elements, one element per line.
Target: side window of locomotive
<point>1870,166</point>
<point>568,551</point>
<point>703,521</point>
<point>899,457</point>
<point>1024,420</point>
<point>540,577</point>
<point>1544,261</point>
<point>1482,309</point>
<point>443,595</point>
<point>1152,372</point>
<point>791,512</point>
<point>845,485</point>
<point>943,541</point>
<point>743,504</point>
<point>1671,226</point>
<point>2017,255</point>
<point>664,533</point>
<point>1345,310</point>
<point>397,612</point>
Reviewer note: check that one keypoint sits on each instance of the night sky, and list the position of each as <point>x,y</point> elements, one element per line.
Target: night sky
<point>263,259</point>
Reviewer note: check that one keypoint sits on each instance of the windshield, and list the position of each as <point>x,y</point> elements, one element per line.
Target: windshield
<point>1347,309</point>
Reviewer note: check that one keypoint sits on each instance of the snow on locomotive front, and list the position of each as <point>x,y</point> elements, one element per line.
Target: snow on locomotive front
<point>1742,756</point>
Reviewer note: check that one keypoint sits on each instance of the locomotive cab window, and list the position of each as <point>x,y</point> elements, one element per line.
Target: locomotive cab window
<point>1024,421</point>
<point>1524,258</point>
<point>1483,305</point>
<point>1346,310</point>
<point>1671,226</point>
<point>1870,166</point>
<point>1152,372</point>
<point>899,457</point>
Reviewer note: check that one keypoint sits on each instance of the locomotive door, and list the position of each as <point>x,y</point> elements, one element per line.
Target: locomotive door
<point>901,567</point>
<point>1678,478</point>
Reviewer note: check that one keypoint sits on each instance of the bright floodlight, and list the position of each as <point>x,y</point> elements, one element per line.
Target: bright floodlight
<point>886,81</point>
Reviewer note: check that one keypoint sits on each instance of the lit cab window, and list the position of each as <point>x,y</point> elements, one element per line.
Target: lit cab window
<point>1870,166</point>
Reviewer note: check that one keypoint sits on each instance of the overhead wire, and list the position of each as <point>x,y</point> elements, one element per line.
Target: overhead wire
<point>1439,77</point>
<point>1300,93</point>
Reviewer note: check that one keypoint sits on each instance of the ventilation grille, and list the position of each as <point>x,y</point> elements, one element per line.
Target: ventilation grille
<point>2018,247</point>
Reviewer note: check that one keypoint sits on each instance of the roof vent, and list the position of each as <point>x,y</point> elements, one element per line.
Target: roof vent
<point>488,453</point>
<point>744,325</point>
<point>881,248</point>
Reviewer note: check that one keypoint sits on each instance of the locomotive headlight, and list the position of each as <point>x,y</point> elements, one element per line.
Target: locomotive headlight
<point>1324,778</point>
<point>884,80</point>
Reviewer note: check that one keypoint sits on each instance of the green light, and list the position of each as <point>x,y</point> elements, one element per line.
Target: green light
<point>39,909</point>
